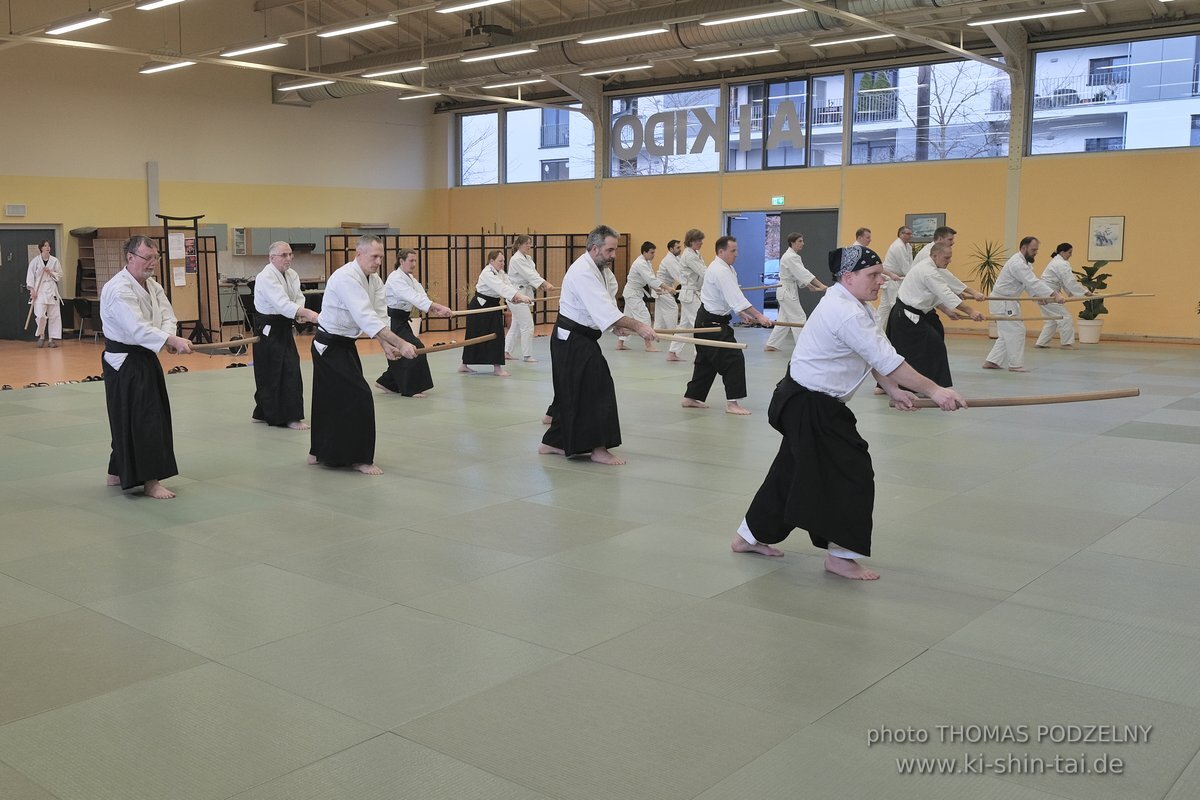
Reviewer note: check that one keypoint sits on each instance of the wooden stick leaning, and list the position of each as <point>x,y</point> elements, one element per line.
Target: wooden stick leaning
<point>687,330</point>
<point>1037,399</point>
<point>703,342</point>
<point>211,346</point>
<point>433,348</point>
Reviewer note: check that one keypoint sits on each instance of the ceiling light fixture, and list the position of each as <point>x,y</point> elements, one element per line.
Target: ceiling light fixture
<point>78,23</point>
<point>467,6</point>
<point>510,84</point>
<point>357,26</point>
<point>420,96</point>
<point>613,37</point>
<point>851,39</point>
<point>151,67</point>
<point>739,54</point>
<point>489,55</point>
<point>383,73</point>
<point>614,70</point>
<point>304,83</point>
<point>1062,12</point>
<point>752,15</point>
<point>150,5</point>
<point>253,47</point>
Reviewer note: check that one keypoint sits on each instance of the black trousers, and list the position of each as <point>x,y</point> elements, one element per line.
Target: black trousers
<point>139,417</point>
<point>407,376</point>
<point>343,410</point>
<point>278,386</point>
<point>821,480</point>
<point>714,361</point>
<point>585,399</point>
<point>490,352</point>
<point>922,343</point>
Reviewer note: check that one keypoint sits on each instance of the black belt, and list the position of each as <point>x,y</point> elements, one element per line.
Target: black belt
<point>568,324</point>
<point>399,313</point>
<point>903,306</point>
<point>111,346</point>
<point>273,319</point>
<point>332,339</point>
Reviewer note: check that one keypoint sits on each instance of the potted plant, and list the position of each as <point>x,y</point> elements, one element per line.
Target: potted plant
<point>988,261</point>
<point>1092,279</point>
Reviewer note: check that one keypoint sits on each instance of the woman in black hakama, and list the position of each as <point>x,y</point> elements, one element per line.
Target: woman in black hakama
<point>410,376</point>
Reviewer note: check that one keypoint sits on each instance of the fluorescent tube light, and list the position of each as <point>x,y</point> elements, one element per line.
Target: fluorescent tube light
<point>151,67</point>
<point>345,28</point>
<point>752,15</point>
<point>383,73</point>
<point>614,70</point>
<point>1062,12</point>
<point>303,83</point>
<point>612,37</point>
<point>467,6</point>
<point>420,96</point>
<point>513,83</point>
<point>739,54</point>
<point>488,55</point>
<point>78,23</point>
<point>851,39</point>
<point>150,5</point>
<point>253,47</point>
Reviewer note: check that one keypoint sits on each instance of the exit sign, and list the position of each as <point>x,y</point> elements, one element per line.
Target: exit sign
<point>777,201</point>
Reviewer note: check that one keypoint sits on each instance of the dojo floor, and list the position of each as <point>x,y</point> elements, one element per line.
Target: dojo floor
<point>483,622</point>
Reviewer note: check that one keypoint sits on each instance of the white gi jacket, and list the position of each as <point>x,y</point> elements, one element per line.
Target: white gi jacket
<point>670,271</point>
<point>523,273</point>
<point>641,275</point>
<point>134,315</point>
<point>404,292</point>
<point>1059,277</point>
<point>691,276</point>
<point>792,275</point>
<point>492,283</point>
<point>951,280</point>
<point>924,289</point>
<point>721,294</point>
<point>43,287</point>
<point>353,303</point>
<point>899,257</point>
<point>277,293</point>
<point>586,297</point>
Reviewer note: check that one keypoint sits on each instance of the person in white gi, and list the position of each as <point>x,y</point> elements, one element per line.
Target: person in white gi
<point>1059,277</point>
<point>897,261</point>
<point>946,235</point>
<point>666,310</point>
<point>691,276</point>
<point>1015,277</point>
<point>138,322</point>
<point>493,286</point>
<point>524,275</point>
<point>641,277</point>
<point>408,377</point>
<point>822,480</point>
<point>278,305</point>
<point>792,275</point>
<point>43,278</point>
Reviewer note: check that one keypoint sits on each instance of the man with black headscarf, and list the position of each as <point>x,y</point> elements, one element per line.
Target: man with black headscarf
<point>822,479</point>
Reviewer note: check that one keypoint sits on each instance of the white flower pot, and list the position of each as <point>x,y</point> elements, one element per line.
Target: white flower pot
<point>1089,330</point>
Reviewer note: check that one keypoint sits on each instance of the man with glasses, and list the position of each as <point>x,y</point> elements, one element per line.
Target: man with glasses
<point>138,321</point>
<point>278,303</point>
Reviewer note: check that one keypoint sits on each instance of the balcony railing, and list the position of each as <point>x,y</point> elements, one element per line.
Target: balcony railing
<point>1064,92</point>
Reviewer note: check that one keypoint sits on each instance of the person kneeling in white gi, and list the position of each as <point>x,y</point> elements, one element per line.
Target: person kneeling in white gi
<point>822,479</point>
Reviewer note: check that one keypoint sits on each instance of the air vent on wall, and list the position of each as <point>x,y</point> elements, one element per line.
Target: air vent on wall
<point>15,210</point>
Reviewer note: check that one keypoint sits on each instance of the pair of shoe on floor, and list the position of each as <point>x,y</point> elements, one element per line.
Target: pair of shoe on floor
<point>42,343</point>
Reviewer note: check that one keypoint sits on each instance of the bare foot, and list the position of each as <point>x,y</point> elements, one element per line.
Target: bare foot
<point>464,368</point>
<point>367,469</point>
<point>990,365</point>
<point>1068,347</point>
<point>509,357</point>
<point>112,480</point>
<point>298,425</point>
<point>547,450</point>
<point>879,390</point>
<point>530,360</point>
<point>848,568</point>
<point>673,357</point>
<point>690,403</point>
<point>740,545</point>
<point>501,372</point>
<point>157,490</point>
<point>601,456</point>
<point>652,350</point>
<point>769,349</point>
<point>1017,369</point>
<point>1042,346</point>
<point>733,407</point>
<point>621,345</point>
<point>547,419</point>
<point>379,385</point>
<point>255,419</point>
<point>421,395</point>
<point>312,460</point>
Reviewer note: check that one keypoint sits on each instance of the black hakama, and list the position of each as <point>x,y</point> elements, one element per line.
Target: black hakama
<point>407,376</point>
<point>822,480</point>
<point>139,417</point>
<point>921,343</point>
<point>585,399</point>
<point>343,410</point>
<point>278,386</point>
<point>490,352</point>
<point>713,361</point>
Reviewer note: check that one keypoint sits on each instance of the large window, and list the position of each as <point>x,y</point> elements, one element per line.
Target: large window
<point>548,144</point>
<point>828,99</point>
<point>665,134</point>
<point>930,112</point>
<point>1116,96</point>
<point>767,125</point>
<point>479,149</point>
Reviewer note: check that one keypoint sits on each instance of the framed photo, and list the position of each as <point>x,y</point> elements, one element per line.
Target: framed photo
<point>923,225</point>
<point>1106,238</point>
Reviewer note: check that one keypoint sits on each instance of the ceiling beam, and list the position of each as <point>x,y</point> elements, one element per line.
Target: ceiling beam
<point>903,33</point>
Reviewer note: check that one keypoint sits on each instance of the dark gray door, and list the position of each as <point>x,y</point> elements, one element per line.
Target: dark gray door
<point>820,229</point>
<point>14,264</point>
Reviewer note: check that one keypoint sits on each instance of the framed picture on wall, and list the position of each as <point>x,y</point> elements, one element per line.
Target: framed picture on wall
<point>1106,238</point>
<point>923,225</point>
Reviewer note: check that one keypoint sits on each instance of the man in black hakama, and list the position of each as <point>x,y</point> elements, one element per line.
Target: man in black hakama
<point>278,305</point>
